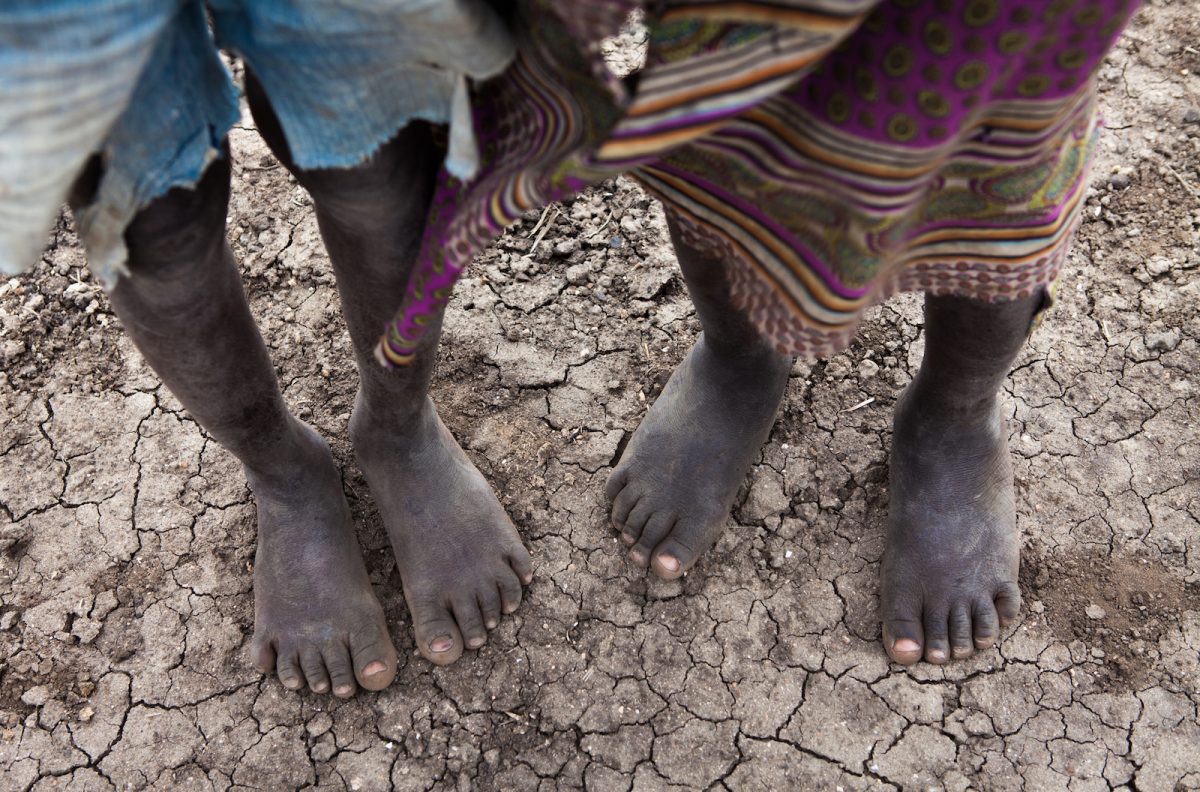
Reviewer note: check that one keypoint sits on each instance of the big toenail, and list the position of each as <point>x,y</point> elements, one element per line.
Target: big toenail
<point>344,690</point>
<point>670,563</point>
<point>906,645</point>
<point>374,668</point>
<point>441,644</point>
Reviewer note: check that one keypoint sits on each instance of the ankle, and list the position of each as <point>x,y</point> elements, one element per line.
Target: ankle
<point>918,405</point>
<point>374,431</point>
<point>288,456</point>
<point>753,358</point>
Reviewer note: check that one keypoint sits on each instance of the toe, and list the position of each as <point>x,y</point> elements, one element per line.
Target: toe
<point>985,623</point>
<point>657,528</point>
<point>489,606</point>
<point>510,590</point>
<point>672,558</point>
<point>961,639</point>
<point>635,523</point>
<point>616,483</point>
<point>903,640</point>
<point>1008,603</point>
<point>470,622</point>
<point>937,643</point>
<point>438,639</point>
<point>341,673</point>
<point>623,504</point>
<point>522,564</point>
<point>263,653</point>
<point>314,670</point>
<point>374,658</point>
<point>287,667</point>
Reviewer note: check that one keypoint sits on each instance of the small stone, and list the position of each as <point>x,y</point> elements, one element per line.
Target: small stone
<point>614,384</point>
<point>868,369</point>
<point>7,620</point>
<point>1163,342</point>
<point>319,724</point>
<point>36,696</point>
<point>1094,611</point>
<point>1191,115</point>
<point>86,714</point>
<point>1119,181</point>
<point>1158,266</point>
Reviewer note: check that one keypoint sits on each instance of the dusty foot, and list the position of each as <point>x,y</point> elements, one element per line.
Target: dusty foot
<point>675,484</point>
<point>949,576</point>
<point>461,560</point>
<point>316,619</point>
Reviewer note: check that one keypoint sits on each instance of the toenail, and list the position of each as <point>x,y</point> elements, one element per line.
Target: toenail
<point>441,644</point>
<point>937,654</point>
<point>906,645</point>
<point>291,682</point>
<point>320,687</point>
<point>344,690</point>
<point>491,624</point>
<point>527,579</point>
<point>374,668</point>
<point>475,643</point>
<point>670,563</point>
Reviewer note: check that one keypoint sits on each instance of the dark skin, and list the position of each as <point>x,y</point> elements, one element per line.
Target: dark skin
<point>949,573</point>
<point>949,568</point>
<point>317,620</point>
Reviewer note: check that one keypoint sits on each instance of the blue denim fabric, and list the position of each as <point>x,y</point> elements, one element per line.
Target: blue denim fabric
<point>141,82</point>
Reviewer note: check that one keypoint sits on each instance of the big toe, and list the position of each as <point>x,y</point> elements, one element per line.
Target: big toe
<point>437,635</point>
<point>374,659</point>
<point>904,639</point>
<point>672,558</point>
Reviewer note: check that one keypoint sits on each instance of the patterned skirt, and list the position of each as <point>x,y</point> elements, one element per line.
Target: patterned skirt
<point>830,152</point>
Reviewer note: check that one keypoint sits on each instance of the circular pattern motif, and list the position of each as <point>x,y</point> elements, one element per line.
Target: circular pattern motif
<point>1013,41</point>
<point>980,12</point>
<point>1088,16</point>
<point>901,127</point>
<point>838,108</point>
<point>933,104</point>
<point>897,61</point>
<point>971,75</point>
<point>1071,59</point>
<point>938,38</point>
<point>865,82</point>
<point>1033,85</point>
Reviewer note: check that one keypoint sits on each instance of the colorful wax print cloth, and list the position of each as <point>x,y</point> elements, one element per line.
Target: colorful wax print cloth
<point>830,152</point>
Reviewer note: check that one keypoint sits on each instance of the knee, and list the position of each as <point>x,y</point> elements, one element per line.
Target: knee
<point>181,229</point>
<point>393,186</point>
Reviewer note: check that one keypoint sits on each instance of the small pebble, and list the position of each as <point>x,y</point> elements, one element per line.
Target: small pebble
<point>1094,611</point>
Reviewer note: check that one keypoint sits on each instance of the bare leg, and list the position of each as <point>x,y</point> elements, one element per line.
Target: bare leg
<point>316,617</point>
<point>675,484</point>
<point>460,558</point>
<point>949,576</point>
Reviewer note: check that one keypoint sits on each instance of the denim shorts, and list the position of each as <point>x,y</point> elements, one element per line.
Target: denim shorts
<point>141,83</point>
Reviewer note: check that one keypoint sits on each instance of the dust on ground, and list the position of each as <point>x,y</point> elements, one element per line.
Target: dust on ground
<point>126,535</point>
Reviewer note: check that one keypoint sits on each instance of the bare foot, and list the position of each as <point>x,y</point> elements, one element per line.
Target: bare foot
<point>949,576</point>
<point>316,619</point>
<point>461,560</point>
<point>675,484</point>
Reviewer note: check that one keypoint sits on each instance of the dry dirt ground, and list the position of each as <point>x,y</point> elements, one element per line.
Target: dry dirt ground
<point>126,536</point>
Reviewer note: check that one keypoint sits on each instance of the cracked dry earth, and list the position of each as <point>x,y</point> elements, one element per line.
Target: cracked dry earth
<point>126,535</point>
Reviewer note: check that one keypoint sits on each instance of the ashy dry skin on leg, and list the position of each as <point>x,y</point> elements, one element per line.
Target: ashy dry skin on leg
<point>461,560</point>
<point>316,618</point>
<point>675,484</point>
<point>949,575</point>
